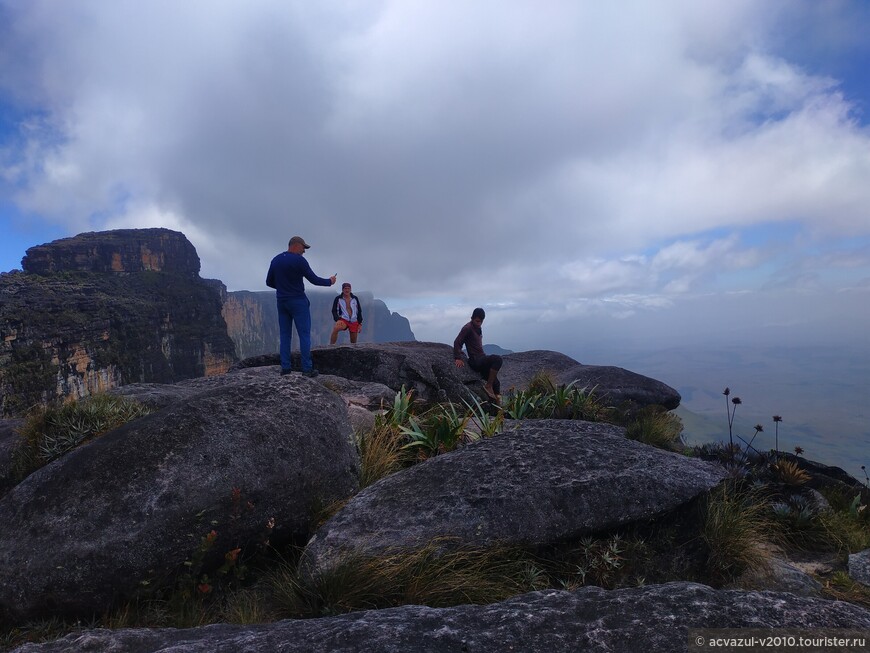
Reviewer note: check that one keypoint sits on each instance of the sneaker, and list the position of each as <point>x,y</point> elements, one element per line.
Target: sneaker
<point>283,372</point>
<point>310,373</point>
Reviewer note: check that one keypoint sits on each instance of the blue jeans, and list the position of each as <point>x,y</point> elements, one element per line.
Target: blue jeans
<point>299,311</point>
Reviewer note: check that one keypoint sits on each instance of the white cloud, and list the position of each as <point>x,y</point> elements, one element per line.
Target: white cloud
<point>579,159</point>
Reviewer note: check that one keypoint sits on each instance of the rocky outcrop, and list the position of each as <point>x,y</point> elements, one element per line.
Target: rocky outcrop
<point>614,385</point>
<point>104,309</point>
<point>119,251</point>
<point>425,367</point>
<point>655,619</point>
<point>252,321</point>
<point>131,506</point>
<point>547,481</point>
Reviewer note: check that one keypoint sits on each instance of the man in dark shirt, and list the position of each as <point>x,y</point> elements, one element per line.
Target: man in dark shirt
<point>471,335</point>
<point>285,276</point>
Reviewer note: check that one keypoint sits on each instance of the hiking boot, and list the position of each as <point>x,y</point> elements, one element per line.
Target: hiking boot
<point>283,372</point>
<point>310,373</point>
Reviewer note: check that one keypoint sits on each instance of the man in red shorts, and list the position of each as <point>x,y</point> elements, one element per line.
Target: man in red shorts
<point>347,313</point>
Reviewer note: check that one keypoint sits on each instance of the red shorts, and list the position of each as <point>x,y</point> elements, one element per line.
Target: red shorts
<point>353,327</point>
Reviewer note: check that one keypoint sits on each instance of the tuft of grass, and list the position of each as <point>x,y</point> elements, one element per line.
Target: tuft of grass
<point>429,576</point>
<point>846,531</point>
<point>35,632</point>
<point>841,587</point>
<point>735,531</point>
<point>51,431</point>
<point>655,426</point>
<point>247,606</point>
<point>380,452</point>
<point>542,383</point>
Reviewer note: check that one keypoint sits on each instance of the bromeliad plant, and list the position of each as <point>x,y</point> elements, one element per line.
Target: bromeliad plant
<point>51,431</point>
<point>544,399</point>
<point>438,431</point>
<point>482,424</point>
<point>521,404</point>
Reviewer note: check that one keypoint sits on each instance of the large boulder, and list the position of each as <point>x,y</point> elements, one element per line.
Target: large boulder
<point>614,385</point>
<point>362,398</point>
<point>133,505</point>
<point>545,482</point>
<point>655,619</point>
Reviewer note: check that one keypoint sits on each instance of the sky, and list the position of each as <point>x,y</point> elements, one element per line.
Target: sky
<point>628,173</point>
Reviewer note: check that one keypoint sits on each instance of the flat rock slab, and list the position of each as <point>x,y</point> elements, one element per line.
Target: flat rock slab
<point>859,566</point>
<point>613,384</point>
<point>545,482</point>
<point>134,504</point>
<point>654,619</point>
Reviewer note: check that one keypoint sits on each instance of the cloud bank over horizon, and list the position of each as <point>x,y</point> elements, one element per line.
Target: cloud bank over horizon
<point>584,171</point>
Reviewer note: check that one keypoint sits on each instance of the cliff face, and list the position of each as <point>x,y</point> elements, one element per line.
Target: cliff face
<point>252,321</point>
<point>104,309</point>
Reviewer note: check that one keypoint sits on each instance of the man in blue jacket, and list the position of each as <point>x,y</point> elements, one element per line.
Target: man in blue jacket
<point>285,276</point>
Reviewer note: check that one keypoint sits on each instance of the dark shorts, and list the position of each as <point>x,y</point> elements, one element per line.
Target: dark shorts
<point>483,364</point>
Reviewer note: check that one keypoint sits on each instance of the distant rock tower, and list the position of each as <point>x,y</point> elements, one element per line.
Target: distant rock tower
<point>99,310</point>
<point>121,250</point>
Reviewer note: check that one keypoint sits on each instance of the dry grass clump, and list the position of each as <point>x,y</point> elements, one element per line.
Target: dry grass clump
<point>735,531</point>
<point>430,575</point>
<point>655,426</point>
<point>841,587</point>
<point>542,383</point>
<point>380,452</point>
